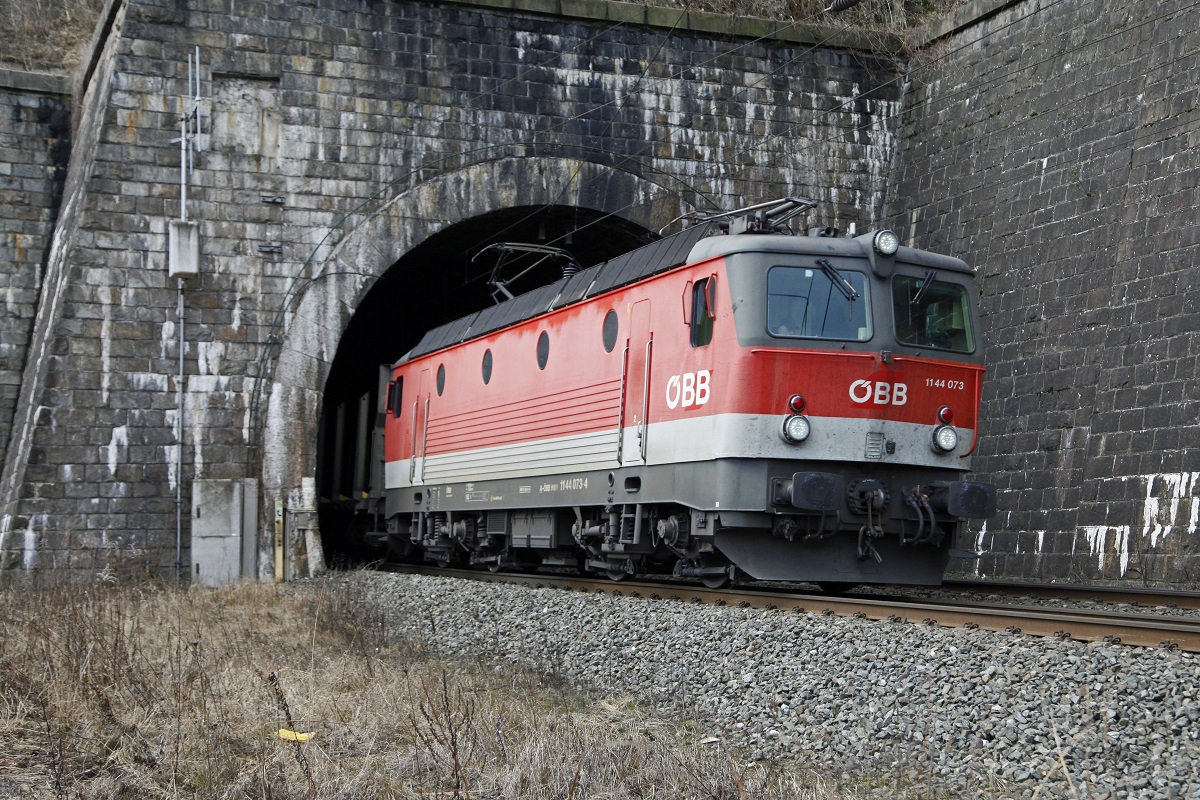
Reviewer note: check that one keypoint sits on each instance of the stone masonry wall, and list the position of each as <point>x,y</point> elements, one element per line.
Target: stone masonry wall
<point>1051,145</point>
<point>1056,146</point>
<point>35,123</point>
<point>327,118</point>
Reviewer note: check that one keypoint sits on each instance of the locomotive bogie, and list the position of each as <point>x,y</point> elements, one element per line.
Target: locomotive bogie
<point>776,407</point>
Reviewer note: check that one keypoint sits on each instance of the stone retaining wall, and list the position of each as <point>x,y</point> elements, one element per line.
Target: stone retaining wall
<point>1055,147</point>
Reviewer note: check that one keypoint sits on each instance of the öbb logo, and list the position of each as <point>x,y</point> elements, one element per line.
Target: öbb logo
<point>689,389</point>
<point>880,393</point>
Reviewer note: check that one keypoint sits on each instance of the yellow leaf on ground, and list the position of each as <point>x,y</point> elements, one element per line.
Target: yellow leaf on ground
<point>293,736</point>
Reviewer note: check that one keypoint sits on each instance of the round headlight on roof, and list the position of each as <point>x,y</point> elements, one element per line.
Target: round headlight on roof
<point>886,243</point>
<point>945,439</point>
<point>795,429</point>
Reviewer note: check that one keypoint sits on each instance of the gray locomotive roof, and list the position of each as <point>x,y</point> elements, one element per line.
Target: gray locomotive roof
<point>660,256</point>
<point>858,247</point>
<point>691,245</point>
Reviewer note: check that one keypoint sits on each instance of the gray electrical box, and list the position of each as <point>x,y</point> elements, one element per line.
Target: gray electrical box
<point>183,241</point>
<point>224,531</point>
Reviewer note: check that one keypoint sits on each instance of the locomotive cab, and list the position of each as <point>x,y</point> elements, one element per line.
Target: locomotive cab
<point>866,366</point>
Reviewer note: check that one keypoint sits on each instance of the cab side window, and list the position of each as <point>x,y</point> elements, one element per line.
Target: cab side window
<point>704,311</point>
<point>395,396</point>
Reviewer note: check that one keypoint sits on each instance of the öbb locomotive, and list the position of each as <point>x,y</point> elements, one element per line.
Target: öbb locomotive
<point>730,402</point>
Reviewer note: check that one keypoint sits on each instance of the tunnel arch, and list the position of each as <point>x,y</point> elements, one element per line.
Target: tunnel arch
<point>371,267</point>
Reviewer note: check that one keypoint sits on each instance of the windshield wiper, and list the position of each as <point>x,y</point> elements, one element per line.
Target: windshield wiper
<point>925,284</point>
<point>838,279</point>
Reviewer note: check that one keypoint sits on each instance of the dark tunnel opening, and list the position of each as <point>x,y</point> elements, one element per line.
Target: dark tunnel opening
<point>438,281</point>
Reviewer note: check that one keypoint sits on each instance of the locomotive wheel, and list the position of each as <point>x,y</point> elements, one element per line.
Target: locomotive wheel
<point>617,575</point>
<point>714,580</point>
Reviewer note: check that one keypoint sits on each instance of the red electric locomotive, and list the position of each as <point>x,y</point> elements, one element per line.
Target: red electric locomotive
<point>749,403</point>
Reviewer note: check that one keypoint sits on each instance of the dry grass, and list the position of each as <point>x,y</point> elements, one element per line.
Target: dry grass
<point>145,692</point>
<point>876,16</point>
<point>46,34</point>
<point>51,34</point>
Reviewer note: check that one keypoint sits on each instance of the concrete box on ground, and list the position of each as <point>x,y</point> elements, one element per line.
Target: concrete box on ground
<point>224,530</point>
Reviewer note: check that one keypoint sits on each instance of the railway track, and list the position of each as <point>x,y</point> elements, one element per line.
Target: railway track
<point>1083,624</point>
<point>1118,595</point>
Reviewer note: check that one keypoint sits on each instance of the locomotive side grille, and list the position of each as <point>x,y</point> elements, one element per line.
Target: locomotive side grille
<point>497,523</point>
<point>541,456</point>
<point>874,446</point>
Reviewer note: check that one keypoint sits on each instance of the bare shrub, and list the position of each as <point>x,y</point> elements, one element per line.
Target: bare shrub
<point>46,34</point>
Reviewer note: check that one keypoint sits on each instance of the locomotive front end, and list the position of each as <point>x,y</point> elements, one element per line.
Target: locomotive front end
<point>860,375</point>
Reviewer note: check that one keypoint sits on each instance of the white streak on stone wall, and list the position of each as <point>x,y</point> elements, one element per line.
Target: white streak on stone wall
<point>979,546</point>
<point>170,458</point>
<point>1179,488</point>
<point>208,357</point>
<point>1097,537</point>
<point>149,381</point>
<point>105,297</point>
<point>205,395</point>
<point>196,419</point>
<point>117,446</point>
<point>167,338</point>
<point>248,288</point>
<point>1164,494</point>
<point>980,537</point>
<point>29,552</point>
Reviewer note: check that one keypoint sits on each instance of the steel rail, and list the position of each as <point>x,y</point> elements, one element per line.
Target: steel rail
<point>1132,595</point>
<point>1087,625</point>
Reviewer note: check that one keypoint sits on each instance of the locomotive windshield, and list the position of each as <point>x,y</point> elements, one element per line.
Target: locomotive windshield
<point>818,302</point>
<point>932,313</point>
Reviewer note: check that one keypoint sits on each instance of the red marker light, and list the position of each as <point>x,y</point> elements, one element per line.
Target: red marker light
<point>796,404</point>
<point>945,415</point>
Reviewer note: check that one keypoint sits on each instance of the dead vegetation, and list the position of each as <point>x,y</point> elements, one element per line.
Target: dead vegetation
<point>875,16</point>
<point>46,35</point>
<point>154,692</point>
<point>50,35</point>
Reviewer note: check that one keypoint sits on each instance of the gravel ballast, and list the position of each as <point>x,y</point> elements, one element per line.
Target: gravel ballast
<point>973,712</point>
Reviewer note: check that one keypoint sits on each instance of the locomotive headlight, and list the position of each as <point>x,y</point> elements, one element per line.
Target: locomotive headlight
<point>886,243</point>
<point>795,429</point>
<point>945,439</point>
